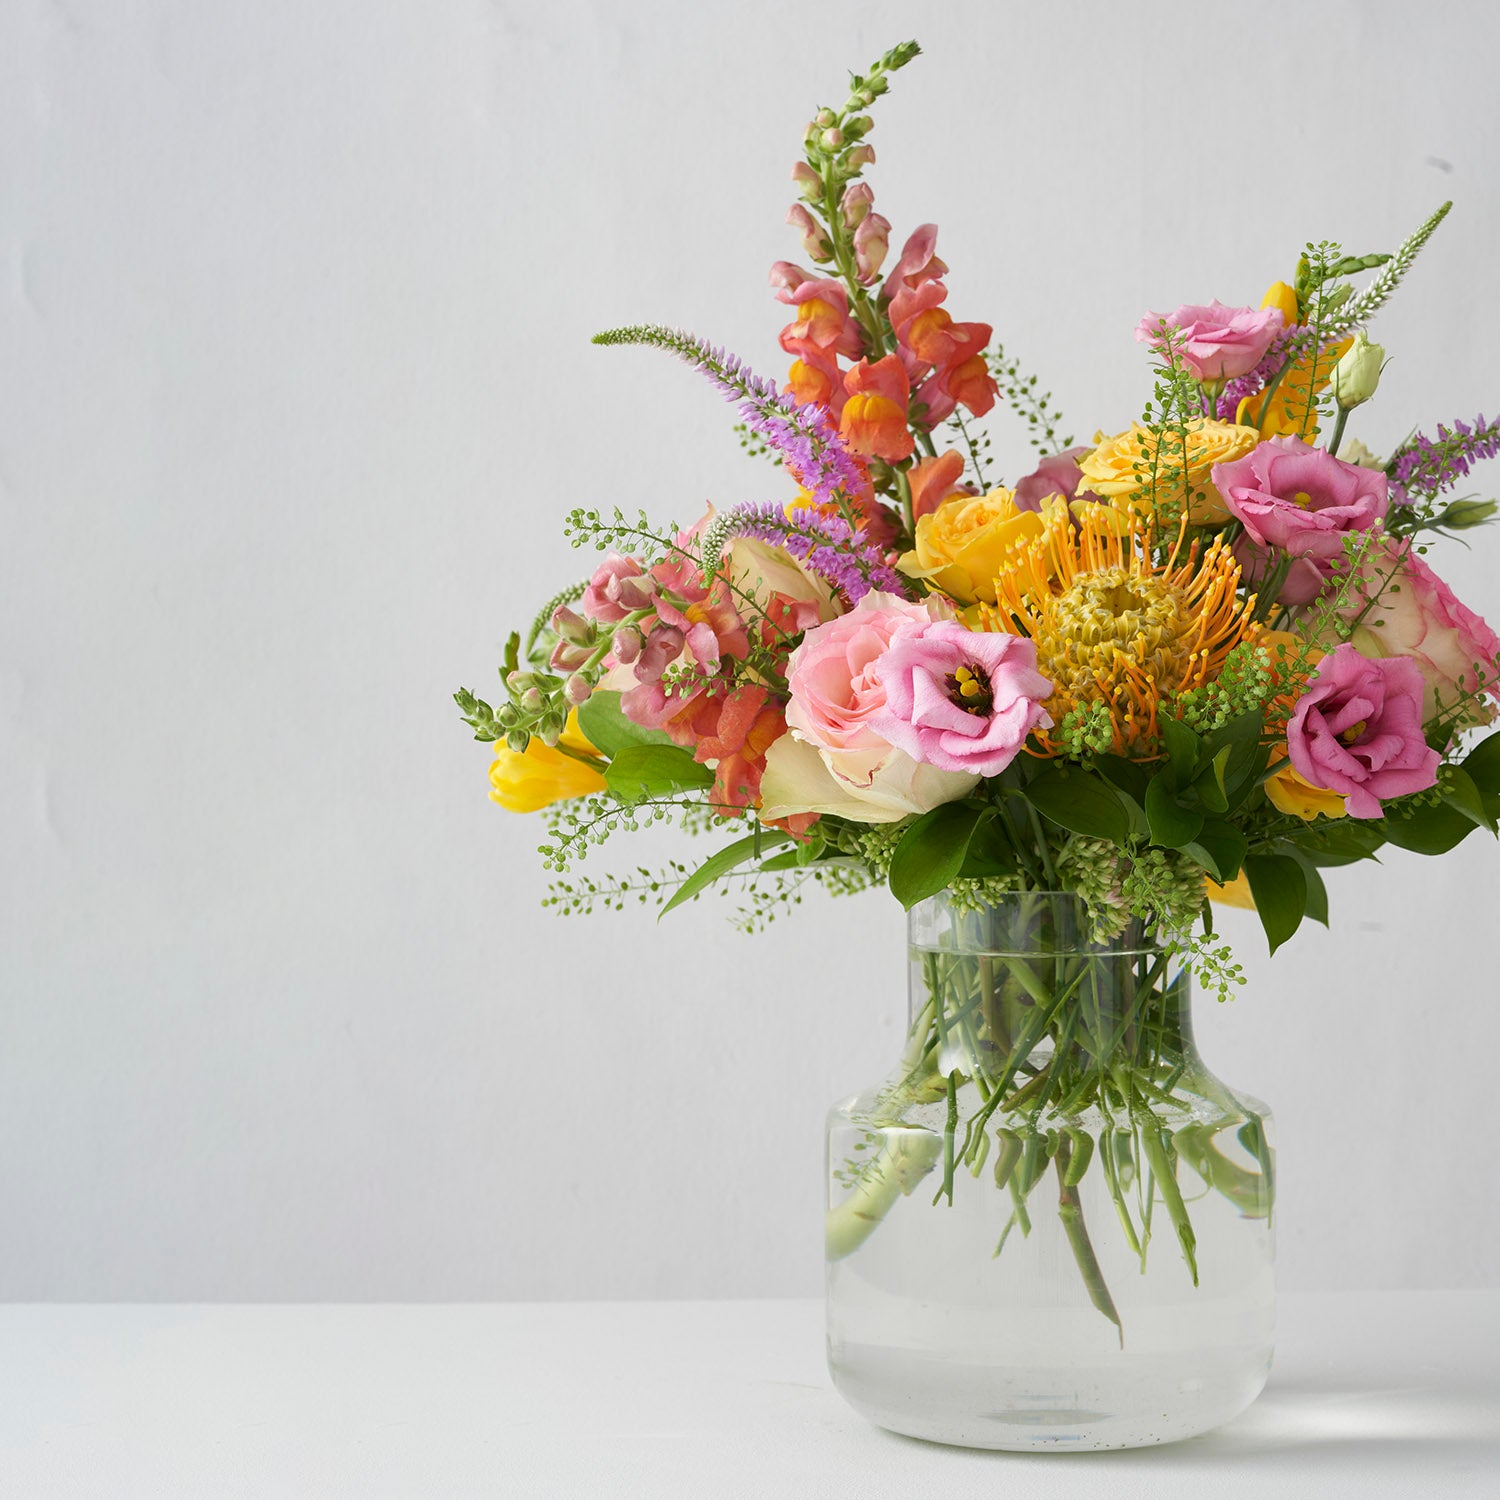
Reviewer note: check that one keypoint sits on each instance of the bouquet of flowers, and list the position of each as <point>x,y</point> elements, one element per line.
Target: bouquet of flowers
<point>1203,658</point>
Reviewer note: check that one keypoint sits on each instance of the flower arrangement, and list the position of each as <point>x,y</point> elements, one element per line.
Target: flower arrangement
<point>1203,658</point>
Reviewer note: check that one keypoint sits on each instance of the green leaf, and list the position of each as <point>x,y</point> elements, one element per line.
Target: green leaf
<point>608,730</point>
<point>1172,824</point>
<point>1433,829</point>
<point>1346,841</point>
<point>1183,746</point>
<point>1317,895</point>
<point>1081,802</point>
<point>989,853</point>
<point>1210,784</point>
<point>1246,755</point>
<point>1220,848</point>
<point>1460,793</point>
<point>931,852</point>
<point>1279,886</point>
<point>722,863</point>
<point>1482,764</point>
<point>641,771</point>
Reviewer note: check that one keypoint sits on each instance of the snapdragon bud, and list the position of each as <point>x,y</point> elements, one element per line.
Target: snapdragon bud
<point>520,682</point>
<point>814,241</point>
<point>532,700</point>
<point>517,741</point>
<point>862,155</point>
<point>808,180</point>
<point>551,730</point>
<point>872,240</point>
<point>571,626</point>
<point>627,645</point>
<point>824,118</point>
<point>859,125</point>
<point>856,202</point>
<point>569,657</point>
<point>831,140</point>
<point>578,689</point>
<point>1357,374</point>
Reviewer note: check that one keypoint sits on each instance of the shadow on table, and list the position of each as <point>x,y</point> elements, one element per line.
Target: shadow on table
<point>1315,1425</point>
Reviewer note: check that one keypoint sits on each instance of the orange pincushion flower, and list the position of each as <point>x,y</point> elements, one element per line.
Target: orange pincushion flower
<point>1115,629</point>
<point>874,416</point>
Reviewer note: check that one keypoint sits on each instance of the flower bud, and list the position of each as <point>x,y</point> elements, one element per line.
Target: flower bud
<point>517,741</point>
<point>571,626</point>
<point>814,241</point>
<point>831,140</point>
<point>855,203</point>
<point>859,125</point>
<point>1357,374</point>
<point>507,716</point>
<point>824,118</point>
<point>577,689</point>
<point>637,592</point>
<point>551,730</point>
<point>808,181</point>
<point>627,645</point>
<point>532,700</point>
<point>871,242</point>
<point>861,156</point>
<point>519,682</point>
<point>569,657</point>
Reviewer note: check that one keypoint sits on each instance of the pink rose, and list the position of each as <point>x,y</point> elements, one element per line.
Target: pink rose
<point>1219,343</point>
<point>1358,730</point>
<point>958,699</point>
<point>1057,475</point>
<point>834,760</point>
<point>1299,501</point>
<point>1414,614</point>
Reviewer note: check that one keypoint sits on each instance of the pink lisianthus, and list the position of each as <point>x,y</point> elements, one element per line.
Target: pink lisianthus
<point>1299,501</point>
<point>833,760</point>
<point>1218,342</point>
<point>1400,607</point>
<point>957,699</point>
<point>1357,730</point>
<point>1057,475</point>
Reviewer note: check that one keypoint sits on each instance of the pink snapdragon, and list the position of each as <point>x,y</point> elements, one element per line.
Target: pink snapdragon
<point>958,699</point>
<point>1216,342</point>
<point>1357,730</point>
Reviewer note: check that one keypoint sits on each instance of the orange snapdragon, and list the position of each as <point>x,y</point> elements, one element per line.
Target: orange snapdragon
<point>873,423</point>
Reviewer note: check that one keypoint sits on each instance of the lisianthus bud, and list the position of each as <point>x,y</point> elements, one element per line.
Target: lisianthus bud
<point>577,689</point>
<point>1357,374</point>
<point>871,242</point>
<point>571,626</point>
<point>814,241</point>
<point>627,645</point>
<point>855,203</point>
<point>861,156</point>
<point>808,180</point>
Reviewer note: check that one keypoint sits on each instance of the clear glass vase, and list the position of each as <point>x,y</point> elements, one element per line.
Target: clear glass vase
<point>1050,1226</point>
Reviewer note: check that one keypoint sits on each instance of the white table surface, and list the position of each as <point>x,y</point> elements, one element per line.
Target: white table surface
<point>1373,1395</point>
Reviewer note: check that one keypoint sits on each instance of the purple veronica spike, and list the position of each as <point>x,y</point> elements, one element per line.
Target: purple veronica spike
<point>804,435</point>
<point>1422,468</point>
<point>829,546</point>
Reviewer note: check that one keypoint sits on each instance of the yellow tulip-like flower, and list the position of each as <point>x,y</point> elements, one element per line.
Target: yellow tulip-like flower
<point>1121,467</point>
<point>1297,797</point>
<point>1284,299</point>
<point>1283,411</point>
<point>968,541</point>
<point>527,782</point>
<point>1235,893</point>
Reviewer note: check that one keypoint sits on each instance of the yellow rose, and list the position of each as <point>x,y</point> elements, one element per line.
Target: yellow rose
<point>1299,798</point>
<point>542,775</point>
<point>1236,893</point>
<point>1120,471</point>
<point>964,545</point>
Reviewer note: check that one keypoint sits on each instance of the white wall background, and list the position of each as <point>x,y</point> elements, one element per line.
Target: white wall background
<point>295,389</point>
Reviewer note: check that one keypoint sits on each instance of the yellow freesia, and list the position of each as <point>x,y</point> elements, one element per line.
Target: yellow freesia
<point>1236,893</point>
<point>1297,797</point>
<point>1283,412</point>
<point>526,782</point>
<point>1284,299</point>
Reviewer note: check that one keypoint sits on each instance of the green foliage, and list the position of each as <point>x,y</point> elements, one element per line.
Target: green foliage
<point>639,772</point>
<point>607,729</point>
<point>727,859</point>
<point>932,851</point>
<point>1082,802</point>
<point>1035,408</point>
<point>1279,885</point>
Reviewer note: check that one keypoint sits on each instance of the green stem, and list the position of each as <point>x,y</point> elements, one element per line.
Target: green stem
<point>1070,1211</point>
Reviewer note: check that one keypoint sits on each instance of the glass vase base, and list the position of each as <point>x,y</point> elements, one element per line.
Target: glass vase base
<point>1075,1409</point>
